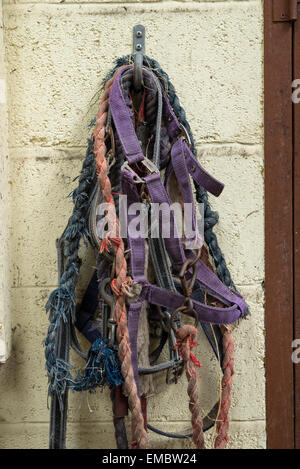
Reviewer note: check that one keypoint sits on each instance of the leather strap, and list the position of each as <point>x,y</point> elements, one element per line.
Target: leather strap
<point>58,412</point>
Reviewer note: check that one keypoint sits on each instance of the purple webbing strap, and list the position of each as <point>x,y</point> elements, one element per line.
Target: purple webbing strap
<point>171,300</point>
<point>123,123</point>
<point>172,123</point>
<point>137,264</point>
<point>173,243</point>
<point>185,163</point>
<point>136,243</point>
<point>133,316</point>
<point>214,286</point>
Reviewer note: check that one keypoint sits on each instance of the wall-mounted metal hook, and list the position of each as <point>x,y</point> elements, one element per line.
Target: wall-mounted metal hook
<point>138,53</point>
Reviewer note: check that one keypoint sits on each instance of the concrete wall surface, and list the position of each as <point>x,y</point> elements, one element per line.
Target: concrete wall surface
<point>57,54</point>
<point>5,317</point>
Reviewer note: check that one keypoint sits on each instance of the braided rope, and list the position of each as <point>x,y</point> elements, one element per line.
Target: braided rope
<point>186,340</point>
<point>228,369</point>
<point>61,302</point>
<point>121,282</point>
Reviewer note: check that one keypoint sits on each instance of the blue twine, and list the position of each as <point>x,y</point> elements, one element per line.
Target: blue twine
<point>61,302</point>
<point>102,367</point>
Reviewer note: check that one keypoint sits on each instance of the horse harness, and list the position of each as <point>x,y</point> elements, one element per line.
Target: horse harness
<point>139,149</point>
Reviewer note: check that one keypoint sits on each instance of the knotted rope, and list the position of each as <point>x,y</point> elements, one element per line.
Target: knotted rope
<point>228,370</point>
<point>121,282</point>
<point>186,340</point>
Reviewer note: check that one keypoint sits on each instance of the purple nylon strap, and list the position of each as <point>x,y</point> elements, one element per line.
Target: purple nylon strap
<point>217,288</point>
<point>184,163</point>
<point>173,243</point>
<point>172,123</point>
<point>123,122</point>
<point>133,316</point>
<point>136,243</point>
<point>137,264</point>
<point>171,300</point>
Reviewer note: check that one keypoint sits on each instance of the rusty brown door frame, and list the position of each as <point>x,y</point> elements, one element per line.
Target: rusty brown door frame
<point>282,122</point>
<point>296,220</point>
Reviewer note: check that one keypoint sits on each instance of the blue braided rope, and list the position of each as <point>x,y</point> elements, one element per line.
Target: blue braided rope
<point>61,302</point>
<point>103,366</point>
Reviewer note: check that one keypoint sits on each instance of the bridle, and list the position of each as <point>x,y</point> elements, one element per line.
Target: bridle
<point>185,289</point>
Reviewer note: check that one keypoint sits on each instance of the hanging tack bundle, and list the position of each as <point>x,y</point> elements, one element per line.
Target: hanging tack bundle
<point>141,153</point>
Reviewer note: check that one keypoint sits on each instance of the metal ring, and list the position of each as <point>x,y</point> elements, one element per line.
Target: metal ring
<point>138,71</point>
<point>188,285</point>
<point>160,367</point>
<point>184,309</point>
<point>109,299</point>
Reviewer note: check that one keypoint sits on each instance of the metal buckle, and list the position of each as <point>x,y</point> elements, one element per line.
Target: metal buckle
<point>185,135</point>
<point>109,324</point>
<point>110,155</point>
<point>137,179</point>
<point>148,164</point>
<point>175,372</point>
<point>187,306</point>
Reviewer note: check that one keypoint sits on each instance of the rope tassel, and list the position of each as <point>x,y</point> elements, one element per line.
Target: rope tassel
<point>186,336</point>
<point>102,367</point>
<point>228,370</point>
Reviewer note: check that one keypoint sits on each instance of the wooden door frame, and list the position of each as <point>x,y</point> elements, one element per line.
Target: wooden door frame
<point>279,319</point>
